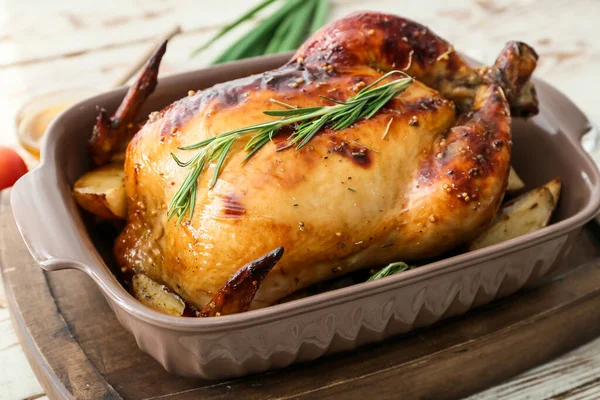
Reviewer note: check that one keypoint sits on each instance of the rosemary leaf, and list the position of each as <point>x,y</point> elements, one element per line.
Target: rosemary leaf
<point>320,16</point>
<point>258,47</point>
<point>233,25</point>
<point>257,143</point>
<point>280,34</point>
<point>298,31</point>
<point>290,112</point>
<point>308,130</point>
<point>224,150</point>
<point>391,269</point>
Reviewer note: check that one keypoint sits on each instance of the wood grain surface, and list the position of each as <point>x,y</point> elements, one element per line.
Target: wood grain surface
<point>78,348</point>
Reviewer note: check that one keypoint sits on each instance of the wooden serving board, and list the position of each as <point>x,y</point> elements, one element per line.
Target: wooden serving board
<point>79,350</point>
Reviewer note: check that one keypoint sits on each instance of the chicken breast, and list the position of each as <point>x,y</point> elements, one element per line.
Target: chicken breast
<point>424,175</point>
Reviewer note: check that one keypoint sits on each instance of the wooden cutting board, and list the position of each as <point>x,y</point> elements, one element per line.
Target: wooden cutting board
<point>78,349</point>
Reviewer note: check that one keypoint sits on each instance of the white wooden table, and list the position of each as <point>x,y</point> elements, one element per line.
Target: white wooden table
<point>46,46</point>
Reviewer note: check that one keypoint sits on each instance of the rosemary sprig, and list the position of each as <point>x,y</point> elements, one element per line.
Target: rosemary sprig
<point>391,269</point>
<point>306,122</point>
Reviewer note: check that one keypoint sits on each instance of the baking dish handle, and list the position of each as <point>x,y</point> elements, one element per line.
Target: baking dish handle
<point>49,223</point>
<point>562,112</point>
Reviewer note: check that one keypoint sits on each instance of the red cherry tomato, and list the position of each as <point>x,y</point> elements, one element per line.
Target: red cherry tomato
<point>12,167</point>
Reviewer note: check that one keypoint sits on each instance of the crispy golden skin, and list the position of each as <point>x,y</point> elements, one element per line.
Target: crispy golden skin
<point>360,197</point>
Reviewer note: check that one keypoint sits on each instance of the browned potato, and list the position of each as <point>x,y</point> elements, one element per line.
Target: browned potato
<point>515,184</point>
<point>554,187</point>
<point>156,296</point>
<point>102,192</point>
<point>525,214</point>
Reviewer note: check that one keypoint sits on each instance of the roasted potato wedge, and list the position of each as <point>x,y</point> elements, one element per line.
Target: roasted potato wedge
<point>156,296</point>
<point>515,184</point>
<point>102,192</point>
<point>554,187</point>
<point>524,214</point>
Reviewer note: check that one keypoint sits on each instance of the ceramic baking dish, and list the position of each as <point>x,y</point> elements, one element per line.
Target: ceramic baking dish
<point>53,229</point>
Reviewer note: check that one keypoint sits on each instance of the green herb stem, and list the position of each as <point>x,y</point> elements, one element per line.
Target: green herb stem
<point>233,25</point>
<point>283,30</point>
<point>320,16</point>
<point>280,32</point>
<point>257,35</point>
<point>298,30</point>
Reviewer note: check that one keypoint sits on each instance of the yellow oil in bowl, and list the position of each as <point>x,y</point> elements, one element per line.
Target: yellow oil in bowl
<point>36,115</point>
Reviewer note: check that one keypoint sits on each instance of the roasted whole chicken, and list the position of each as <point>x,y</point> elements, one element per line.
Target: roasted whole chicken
<point>424,175</point>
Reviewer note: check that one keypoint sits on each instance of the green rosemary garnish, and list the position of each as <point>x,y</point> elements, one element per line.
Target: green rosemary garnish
<point>306,122</point>
<point>283,30</point>
<point>391,269</point>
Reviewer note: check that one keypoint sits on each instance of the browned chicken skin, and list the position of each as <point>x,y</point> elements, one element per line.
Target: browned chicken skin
<point>424,175</point>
